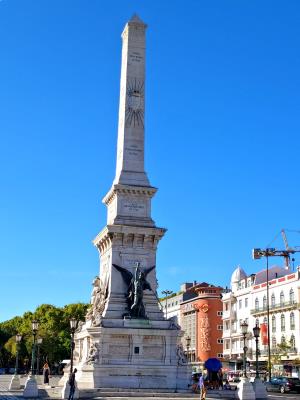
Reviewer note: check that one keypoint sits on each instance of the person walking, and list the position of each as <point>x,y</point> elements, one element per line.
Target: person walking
<point>46,373</point>
<point>72,384</point>
<point>202,387</point>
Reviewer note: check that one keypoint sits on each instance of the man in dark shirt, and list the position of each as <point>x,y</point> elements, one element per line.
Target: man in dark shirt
<point>72,384</point>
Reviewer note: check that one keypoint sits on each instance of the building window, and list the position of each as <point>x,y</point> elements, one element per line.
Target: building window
<point>292,342</point>
<point>256,304</point>
<point>220,355</point>
<point>282,339</point>
<point>257,321</point>
<point>292,296</point>
<point>219,313</point>
<point>292,321</point>
<point>273,323</point>
<point>246,302</point>
<point>265,302</point>
<point>274,344</point>
<point>226,306</point>
<point>282,319</point>
<point>281,298</point>
<point>220,341</point>
<point>273,300</point>
<point>265,321</point>
<point>227,345</point>
<point>220,327</point>
<point>240,304</point>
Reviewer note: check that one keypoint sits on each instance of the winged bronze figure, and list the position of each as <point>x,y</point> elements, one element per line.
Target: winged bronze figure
<point>136,284</point>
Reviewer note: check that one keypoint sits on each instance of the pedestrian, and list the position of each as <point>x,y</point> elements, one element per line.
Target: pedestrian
<point>220,378</point>
<point>202,387</point>
<point>46,373</point>
<point>72,384</point>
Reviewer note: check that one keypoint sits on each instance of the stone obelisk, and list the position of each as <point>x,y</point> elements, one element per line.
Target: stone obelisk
<point>126,342</point>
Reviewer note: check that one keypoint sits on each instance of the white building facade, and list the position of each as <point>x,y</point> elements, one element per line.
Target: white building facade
<point>247,301</point>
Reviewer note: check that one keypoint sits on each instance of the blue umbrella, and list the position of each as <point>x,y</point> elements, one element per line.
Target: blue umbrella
<point>213,364</point>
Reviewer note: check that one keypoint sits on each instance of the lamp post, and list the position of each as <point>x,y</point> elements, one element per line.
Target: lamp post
<point>167,293</point>
<point>256,332</point>
<point>257,254</point>
<point>245,388</point>
<point>15,381</point>
<point>18,341</point>
<point>73,325</point>
<point>244,327</point>
<point>31,388</point>
<point>188,343</point>
<point>39,342</point>
<point>258,386</point>
<point>35,327</point>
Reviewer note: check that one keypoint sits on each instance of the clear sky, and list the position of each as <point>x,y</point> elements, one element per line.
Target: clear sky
<point>222,137</point>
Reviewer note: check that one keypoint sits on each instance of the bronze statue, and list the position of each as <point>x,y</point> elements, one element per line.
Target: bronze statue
<point>136,284</point>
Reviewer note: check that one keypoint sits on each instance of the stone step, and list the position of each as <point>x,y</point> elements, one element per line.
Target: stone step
<point>112,393</point>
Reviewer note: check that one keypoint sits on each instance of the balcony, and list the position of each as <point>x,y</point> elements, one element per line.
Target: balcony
<point>226,333</point>
<point>229,314</point>
<point>275,351</point>
<point>287,305</point>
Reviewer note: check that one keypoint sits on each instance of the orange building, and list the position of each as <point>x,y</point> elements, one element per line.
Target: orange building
<point>201,319</point>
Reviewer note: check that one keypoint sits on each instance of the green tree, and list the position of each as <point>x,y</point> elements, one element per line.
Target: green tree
<point>54,329</point>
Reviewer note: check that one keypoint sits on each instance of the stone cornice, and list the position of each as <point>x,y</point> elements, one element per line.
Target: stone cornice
<point>127,235</point>
<point>126,189</point>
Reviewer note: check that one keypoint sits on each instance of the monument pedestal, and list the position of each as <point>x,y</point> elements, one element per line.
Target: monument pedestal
<point>66,391</point>
<point>14,383</point>
<point>31,388</point>
<point>132,356</point>
<point>245,390</point>
<point>259,389</point>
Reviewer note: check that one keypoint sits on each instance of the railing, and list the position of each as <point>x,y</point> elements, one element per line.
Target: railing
<point>264,352</point>
<point>273,307</point>
<point>229,314</point>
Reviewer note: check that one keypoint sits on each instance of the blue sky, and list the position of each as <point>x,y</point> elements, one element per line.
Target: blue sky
<point>222,137</point>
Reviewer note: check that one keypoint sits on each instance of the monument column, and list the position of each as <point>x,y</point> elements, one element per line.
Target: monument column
<point>130,152</point>
<point>127,342</point>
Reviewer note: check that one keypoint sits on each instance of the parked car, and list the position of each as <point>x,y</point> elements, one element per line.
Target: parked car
<point>283,385</point>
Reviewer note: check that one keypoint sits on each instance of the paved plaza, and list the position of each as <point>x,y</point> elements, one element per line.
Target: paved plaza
<point>6,395</point>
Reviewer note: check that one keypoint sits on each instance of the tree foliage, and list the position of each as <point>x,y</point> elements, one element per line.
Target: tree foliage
<point>54,329</point>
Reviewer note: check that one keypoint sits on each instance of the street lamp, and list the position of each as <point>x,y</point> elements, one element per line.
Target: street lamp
<point>18,341</point>
<point>31,388</point>
<point>244,327</point>
<point>167,293</point>
<point>188,343</point>
<point>73,326</point>
<point>256,332</point>
<point>35,327</point>
<point>39,342</point>
<point>258,386</point>
<point>257,254</point>
<point>15,381</point>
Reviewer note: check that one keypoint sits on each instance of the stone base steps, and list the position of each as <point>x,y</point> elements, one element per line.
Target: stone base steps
<point>112,393</point>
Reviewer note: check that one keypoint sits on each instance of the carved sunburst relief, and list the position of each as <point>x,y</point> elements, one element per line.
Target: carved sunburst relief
<point>135,103</point>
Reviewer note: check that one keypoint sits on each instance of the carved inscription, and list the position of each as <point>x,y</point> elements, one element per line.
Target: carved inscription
<point>134,207</point>
<point>133,150</point>
<point>135,57</point>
